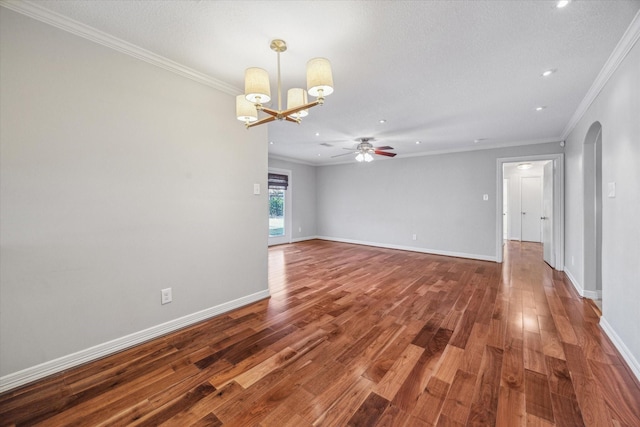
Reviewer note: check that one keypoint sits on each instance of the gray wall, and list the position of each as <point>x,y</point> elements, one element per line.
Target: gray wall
<point>303,187</point>
<point>438,198</point>
<point>118,179</point>
<point>617,108</point>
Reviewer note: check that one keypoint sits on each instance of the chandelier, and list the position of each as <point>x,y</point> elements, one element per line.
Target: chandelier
<point>258,91</point>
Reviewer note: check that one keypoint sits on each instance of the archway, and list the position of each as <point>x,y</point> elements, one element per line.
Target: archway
<point>592,185</point>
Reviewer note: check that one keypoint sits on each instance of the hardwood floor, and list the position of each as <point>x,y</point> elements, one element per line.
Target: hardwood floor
<point>363,336</point>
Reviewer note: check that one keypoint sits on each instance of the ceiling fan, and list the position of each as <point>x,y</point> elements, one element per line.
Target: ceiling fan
<point>365,150</point>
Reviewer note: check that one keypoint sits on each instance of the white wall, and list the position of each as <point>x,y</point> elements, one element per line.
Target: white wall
<point>438,198</point>
<point>303,186</point>
<point>617,108</point>
<point>118,179</point>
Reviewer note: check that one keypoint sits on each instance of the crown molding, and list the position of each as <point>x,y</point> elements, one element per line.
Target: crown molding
<point>292,160</point>
<point>42,14</point>
<point>476,147</point>
<point>624,46</point>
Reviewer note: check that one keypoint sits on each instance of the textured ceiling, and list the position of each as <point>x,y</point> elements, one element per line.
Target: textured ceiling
<point>445,73</point>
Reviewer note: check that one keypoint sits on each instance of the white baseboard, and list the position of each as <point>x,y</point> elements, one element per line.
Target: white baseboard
<point>633,363</point>
<point>302,239</point>
<point>411,248</point>
<point>580,289</point>
<point>45,369</point>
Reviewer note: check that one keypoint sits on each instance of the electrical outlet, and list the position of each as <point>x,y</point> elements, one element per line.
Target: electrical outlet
<point>414,237</point>
<point>166,296</point>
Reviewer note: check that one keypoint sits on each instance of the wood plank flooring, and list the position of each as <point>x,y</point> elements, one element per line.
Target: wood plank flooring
<point>363,336</point>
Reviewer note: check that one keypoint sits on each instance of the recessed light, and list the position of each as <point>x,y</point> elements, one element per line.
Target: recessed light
<point>317,133</point>
<point>418,142</point>
<point>548,73</point>
<point>479,140</point>
<point>318,154</point>
<point>540,108</point>
<point>524,166</point>
<point>270,142</point>
<point>382,121</point>
<point>562,3</point>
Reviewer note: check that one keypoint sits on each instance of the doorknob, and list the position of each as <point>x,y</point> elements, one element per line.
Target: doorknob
<point>523,213</point>
<point>543,217</point>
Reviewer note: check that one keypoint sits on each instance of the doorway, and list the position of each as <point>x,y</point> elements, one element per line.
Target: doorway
<point>279,187</point>
<point>547,219</point>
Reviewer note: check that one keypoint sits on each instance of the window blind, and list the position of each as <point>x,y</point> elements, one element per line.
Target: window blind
<point>278,182</point>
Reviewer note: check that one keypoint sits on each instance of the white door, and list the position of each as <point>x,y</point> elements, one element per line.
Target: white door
<point>505,208</point>
<point>547,214</point>
<point>531,208</point>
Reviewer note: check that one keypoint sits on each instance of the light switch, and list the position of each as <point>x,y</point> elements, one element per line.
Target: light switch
<point>256,189</point>
<point>612,189</point>
<point>485,197</point>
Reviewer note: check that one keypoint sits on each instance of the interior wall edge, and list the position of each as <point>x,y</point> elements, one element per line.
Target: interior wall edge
<point>580,288</point>
<point>31,374</point>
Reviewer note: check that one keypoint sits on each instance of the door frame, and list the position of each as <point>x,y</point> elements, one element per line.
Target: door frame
<point>288,209</point>
<point>506,223</point>
<point>558,202</point>
<point>548,226</point>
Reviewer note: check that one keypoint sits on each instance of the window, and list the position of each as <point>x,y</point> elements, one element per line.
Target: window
<point>277,192</point>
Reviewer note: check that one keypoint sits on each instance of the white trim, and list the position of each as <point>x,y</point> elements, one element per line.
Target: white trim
<point>288,210</point>
<point>597,295</point>
<point>558,202</point>
<point>629,38</point>
<point>410,248</point>
<point>303,239</point>
<point>292,160</point>
<point>35,11</point>
<point>627,355</point>
<point>45,369</point>
<point>475,147</point>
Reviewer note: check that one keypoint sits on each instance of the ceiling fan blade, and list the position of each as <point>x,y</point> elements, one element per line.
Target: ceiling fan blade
<point>345,154</point>
<point>386,147</point>
<point>384,153</point>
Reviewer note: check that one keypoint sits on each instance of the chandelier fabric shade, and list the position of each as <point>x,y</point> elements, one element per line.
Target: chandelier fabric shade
<point>319,77</point>
<point>297,97</point>
<point>245,110</point>
<point>257,92</point>
<point>256,85</point>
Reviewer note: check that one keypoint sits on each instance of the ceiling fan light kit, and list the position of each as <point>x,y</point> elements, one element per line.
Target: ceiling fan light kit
<point>365,150</point>
<point>257,91</point>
